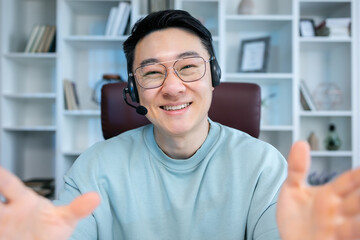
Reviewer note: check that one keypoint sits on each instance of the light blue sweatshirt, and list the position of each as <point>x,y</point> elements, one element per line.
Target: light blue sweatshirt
<point>226,190</point>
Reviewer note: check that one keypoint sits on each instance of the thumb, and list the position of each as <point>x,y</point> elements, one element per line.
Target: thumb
<point>298,163</point>
<point>82,206</point>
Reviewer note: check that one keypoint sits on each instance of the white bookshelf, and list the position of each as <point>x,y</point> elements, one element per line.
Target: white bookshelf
<point>40,138</point>
<point>28,92</point>
<point>323,61</point>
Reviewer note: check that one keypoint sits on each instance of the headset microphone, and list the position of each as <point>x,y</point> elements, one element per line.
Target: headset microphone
<point>139,109</point>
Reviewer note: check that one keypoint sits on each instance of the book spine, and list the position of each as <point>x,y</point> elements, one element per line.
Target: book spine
<point>32,38</point>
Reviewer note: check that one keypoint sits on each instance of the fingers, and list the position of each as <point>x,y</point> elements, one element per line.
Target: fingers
<point>81,206</point>
<point>350,229</point>
<point>11,187</point>
<point>351,205</point>
<point>347,183</point>
<point>298,163</point>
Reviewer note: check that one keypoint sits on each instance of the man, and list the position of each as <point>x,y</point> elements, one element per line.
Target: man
<point>184,176</point>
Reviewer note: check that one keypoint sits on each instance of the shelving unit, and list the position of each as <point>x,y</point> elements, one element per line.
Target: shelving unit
<point>275,21</point>
<point>28,92</point>
<point>329,62</point>
<point>40,138</point>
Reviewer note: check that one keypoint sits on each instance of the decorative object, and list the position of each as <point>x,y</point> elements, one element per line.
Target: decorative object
<point>316,179</point>
<point>332,140</point>
<point>254,54</point>
<point>158,5</point>
<point>246,7</point>
<point>313,141</point>
<point>106,78</point>
<point>322,30</point>
<point>327,96</point>
<point>307,28</point>
<point>269,104</point>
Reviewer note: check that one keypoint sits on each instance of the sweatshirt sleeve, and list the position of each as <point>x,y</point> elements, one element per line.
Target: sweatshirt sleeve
<point>86,227</point>
<point>262,224</point>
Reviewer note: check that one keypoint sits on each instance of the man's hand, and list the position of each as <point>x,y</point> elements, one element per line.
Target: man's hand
<point>328,212</point>
<point>26,215</point>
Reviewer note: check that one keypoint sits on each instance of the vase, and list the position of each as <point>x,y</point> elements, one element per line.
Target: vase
<point>246,7</point>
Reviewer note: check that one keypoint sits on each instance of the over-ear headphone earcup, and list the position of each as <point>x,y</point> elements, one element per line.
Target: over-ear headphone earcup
<point>215,72</point>
<point>132,89</point>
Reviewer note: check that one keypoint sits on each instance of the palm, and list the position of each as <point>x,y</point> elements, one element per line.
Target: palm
<point>324,212</point>
<point>27,215</point>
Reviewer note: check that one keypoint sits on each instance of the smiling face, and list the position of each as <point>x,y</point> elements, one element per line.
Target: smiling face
<point>176,108</point>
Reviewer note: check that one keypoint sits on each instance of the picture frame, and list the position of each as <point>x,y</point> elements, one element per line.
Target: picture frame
<point>307,28</point>
<point>254,54</point>
<point>158,5</point>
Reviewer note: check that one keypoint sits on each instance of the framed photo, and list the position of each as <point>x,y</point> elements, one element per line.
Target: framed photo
<point>307,28</point>
<point>158,5</point>
<point>254,54</point>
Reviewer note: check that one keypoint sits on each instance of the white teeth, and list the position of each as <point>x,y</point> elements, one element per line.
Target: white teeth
<point>174,108</point>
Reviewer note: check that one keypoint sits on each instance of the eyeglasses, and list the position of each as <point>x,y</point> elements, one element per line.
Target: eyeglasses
<point>189,69</point>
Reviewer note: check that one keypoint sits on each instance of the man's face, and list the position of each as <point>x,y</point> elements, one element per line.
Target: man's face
<point>191,100</point>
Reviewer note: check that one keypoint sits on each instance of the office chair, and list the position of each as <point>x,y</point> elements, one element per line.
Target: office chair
<point>236,105</point>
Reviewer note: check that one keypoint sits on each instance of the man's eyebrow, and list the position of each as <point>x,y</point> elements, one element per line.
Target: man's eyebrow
<point>189,54</point>
<point>148,61</point>
<point>181,55</point>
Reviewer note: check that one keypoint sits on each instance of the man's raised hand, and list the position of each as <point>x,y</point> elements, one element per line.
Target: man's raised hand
<point>25,215</point>
<point>328,212</point>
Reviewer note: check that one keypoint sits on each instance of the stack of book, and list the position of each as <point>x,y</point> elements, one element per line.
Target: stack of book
<point>70,95</point>
<point>118,19</point>
<point>42,39</point>
<point>42,186</point>
<point>338,26</point>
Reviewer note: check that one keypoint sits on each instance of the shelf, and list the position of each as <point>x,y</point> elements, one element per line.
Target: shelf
<point>259,17</point>
<point>326,114</point>
<point>325,1</point>
<point>201,1</point>
<point>31,56</point>
<point>95,38</point>
<point>31,129</point>
<point>31,95</point>
<point>259,75</point>
<point>82,113</point>
<point>279,128</point>
<point>333,39</point>
<point>72,153</point>
<point>331,153</point>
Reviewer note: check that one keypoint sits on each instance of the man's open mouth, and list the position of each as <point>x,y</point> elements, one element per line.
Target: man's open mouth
<point>174,108</point>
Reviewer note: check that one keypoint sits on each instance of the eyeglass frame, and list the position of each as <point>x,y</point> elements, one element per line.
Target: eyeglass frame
<point>166,72</point>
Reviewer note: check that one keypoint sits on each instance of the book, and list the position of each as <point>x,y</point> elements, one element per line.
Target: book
<point>338,22</point>
<point>76,97</point>
<point>338,26</point>
<point>32,38</point>
<point>53,44</point>
<point>70,95</point>
<point>67,96</point>
<point>43,39</point>
<point>125,20</point>
<point>39,35</point>
<point>49,39</point>
<point>43,186</point>
<point>110,21</point>
<point>306,98</point>
<point>118,18</point>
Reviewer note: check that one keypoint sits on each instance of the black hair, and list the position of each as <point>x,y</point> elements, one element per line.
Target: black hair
<point>162,20</point>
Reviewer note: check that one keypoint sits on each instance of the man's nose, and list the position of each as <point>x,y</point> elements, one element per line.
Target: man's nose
<point>173,84</point>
